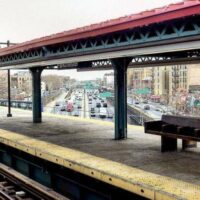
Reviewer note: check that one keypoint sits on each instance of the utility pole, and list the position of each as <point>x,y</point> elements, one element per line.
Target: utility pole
<point>9,96</point>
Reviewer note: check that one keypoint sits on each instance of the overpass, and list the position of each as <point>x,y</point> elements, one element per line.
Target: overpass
<point>167,35</point>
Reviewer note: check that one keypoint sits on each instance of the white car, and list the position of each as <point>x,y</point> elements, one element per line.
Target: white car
<point>103,113</point>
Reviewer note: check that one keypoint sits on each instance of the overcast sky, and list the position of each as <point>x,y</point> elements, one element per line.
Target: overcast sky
<point>22,20</point>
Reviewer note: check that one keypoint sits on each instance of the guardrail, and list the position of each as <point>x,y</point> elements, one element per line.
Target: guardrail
<point>139,112</point>
<point>17,104</point>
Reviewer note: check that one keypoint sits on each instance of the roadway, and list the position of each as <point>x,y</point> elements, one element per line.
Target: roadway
<point>82,106</point>
<point>155,110</point>
<point>83,102</point>
<point>85,106</point>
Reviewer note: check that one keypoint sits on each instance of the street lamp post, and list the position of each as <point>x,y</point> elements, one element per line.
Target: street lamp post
<point>9,95</point>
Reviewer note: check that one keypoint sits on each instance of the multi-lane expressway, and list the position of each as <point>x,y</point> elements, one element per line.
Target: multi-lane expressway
<point>88,104</point>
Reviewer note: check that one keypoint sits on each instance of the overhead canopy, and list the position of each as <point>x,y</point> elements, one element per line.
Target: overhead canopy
<point>158,15</point>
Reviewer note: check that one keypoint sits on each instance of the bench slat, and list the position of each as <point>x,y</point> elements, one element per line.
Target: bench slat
<point>172,135</point>
<point>183,121</point>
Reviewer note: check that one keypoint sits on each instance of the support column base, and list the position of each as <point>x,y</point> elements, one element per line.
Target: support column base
<point>168,144</point>
<point>9,115</point>
<point>37,121</point>
<point>121,134</point>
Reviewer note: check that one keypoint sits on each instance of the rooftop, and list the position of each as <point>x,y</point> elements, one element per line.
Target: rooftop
<point>157,15</point>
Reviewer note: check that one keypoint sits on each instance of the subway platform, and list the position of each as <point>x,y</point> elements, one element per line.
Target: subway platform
<point>136,164</point>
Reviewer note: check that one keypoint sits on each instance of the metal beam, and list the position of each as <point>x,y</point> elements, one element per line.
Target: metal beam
<point>36,94</point>
<point>151,50</point>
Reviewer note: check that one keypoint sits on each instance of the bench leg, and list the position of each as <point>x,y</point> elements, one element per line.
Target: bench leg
<point>188,144</point>
<point>168,144</point>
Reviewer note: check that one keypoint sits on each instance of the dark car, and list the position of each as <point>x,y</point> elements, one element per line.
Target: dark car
<point>105,105</point>
<point>146,107</point>
<point>57,104</point>
<point>79,106</point>
<point>145,101</point>
<point>63,108</point>
<point>92,113</point>
<point>76,113</point>
<point>98,105</point>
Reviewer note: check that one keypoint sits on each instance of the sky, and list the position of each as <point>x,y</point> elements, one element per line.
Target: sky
<point>23,20</point>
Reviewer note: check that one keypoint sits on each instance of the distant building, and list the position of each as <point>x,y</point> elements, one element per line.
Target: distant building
<point>173,80</point>
<point>43,86</point>
<point>141,78</point>
<point>130,78</point>
<point>108,80</point>
<point>161,80</point>
<point>193,78</point>
<point>3,84</point>
<point>178,79</point>
<point>22,80</point>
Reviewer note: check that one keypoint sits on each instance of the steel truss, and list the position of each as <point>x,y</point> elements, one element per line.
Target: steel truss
<point>185,57</point>
<point>134,38</point>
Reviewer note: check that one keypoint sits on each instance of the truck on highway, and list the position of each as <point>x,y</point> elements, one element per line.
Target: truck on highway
<point>103,113</point>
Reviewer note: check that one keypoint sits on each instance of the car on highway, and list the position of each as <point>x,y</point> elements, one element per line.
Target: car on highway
<point>158,109</point>
<point>103,113</point>
<point>147,107</point>
<point>63,108</point>
<point>105,105</point>
<point>57,103</point>
<point>109,113</point>
<point>92,112</point>
<point>137,102</point>
<point>98,105</point>
<point>90,100</point>
<point>70,107</point>
<point>145,101</point>
<point>79,106</point>
<point>76,113</point>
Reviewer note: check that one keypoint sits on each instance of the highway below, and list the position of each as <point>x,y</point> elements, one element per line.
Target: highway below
<point>84,104</point>
<point>89,104</point>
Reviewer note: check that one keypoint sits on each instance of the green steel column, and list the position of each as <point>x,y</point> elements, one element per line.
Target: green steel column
<point>120,81</point>
<point>36,94</point>
<point>9,95</point>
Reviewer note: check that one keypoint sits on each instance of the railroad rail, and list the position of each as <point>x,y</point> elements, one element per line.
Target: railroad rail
<point>15,186</point>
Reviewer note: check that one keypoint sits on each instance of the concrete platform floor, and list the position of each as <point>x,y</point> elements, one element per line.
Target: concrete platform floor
<point>96,137</point>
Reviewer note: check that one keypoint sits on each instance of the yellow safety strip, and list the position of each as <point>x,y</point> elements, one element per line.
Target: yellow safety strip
<point>138,181</point>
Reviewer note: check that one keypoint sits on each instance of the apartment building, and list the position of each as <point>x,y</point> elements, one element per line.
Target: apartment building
<point>22,81</point>
<point>3,84</point>
<point>142,78</point>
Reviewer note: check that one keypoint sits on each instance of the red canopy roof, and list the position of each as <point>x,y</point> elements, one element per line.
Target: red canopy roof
<point>170,12</point>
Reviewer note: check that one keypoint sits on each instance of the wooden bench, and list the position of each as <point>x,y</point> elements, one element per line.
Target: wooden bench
<point>171,128</point>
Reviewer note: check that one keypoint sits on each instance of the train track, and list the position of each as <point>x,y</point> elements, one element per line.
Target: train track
<point>15,186</point>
